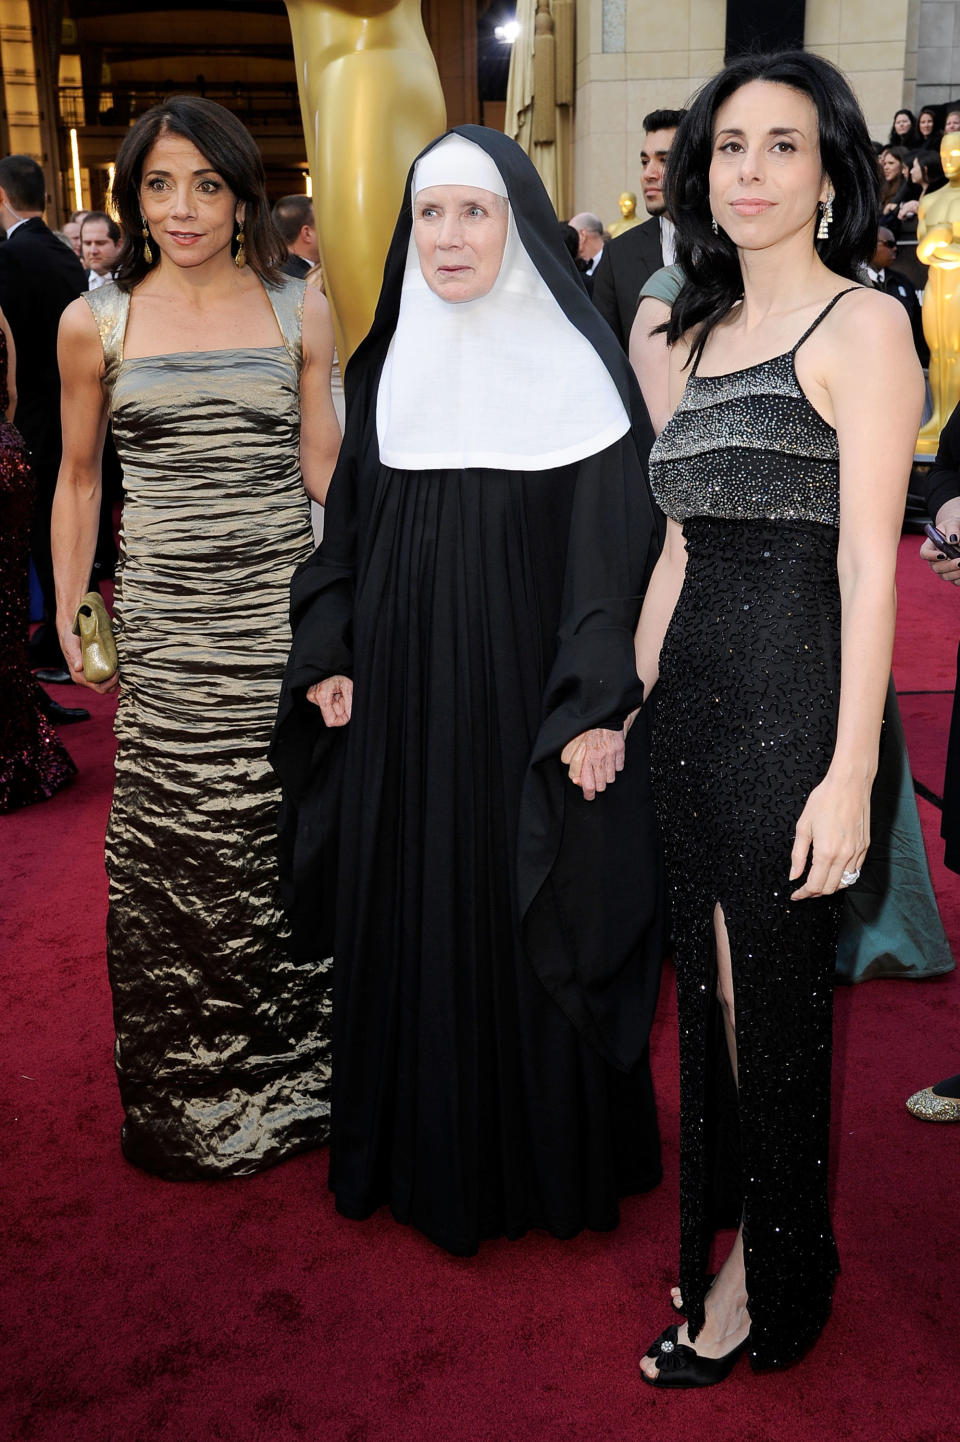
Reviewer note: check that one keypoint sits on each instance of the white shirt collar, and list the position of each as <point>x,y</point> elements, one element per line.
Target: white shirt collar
<point>668,240</point>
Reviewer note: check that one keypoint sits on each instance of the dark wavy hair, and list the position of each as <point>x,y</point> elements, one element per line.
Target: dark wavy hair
<point>713,282</point>
<point>912,137</point>
<point>232,153</point>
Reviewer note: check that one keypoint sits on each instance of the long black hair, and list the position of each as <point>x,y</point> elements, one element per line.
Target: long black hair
<point>713,282</point>
<point>231,151</point>
<point>931,168</point>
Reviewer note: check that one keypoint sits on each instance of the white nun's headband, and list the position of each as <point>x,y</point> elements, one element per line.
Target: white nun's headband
<point>456,161</point>
<point>505,381</point>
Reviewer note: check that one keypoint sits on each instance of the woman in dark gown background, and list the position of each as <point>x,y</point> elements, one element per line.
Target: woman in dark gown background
<point>34,764</point>
<point>497,936</point>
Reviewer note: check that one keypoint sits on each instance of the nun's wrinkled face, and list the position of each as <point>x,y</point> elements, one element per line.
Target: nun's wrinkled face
<point>460,232</point>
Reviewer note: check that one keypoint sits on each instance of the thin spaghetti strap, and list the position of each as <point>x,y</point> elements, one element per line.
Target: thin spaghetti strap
<point>823,314</point>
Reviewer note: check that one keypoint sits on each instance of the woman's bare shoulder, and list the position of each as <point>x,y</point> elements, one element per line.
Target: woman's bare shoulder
<point>863,317</point>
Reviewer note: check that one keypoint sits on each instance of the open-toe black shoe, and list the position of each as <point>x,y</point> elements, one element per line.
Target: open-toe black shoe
<point>682,1311</point>
<point>679,1366</point>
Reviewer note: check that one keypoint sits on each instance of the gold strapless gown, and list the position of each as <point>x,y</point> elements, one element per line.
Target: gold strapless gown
<point>222,1050</point>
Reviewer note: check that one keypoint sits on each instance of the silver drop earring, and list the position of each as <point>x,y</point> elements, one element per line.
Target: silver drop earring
<point>826,218</point>
<point>714,226</point>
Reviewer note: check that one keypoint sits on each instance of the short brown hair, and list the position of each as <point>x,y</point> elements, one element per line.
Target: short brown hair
<point>223,140</point>
<point>290,214</point>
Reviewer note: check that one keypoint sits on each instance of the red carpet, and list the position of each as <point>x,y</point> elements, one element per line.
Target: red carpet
<point>139,1311</point>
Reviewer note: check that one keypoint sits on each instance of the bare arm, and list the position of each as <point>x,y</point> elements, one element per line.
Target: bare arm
<point>650,358</point>
<point>658,605</point>
<point>870,373</point>
<point>76,505</point>
<point>595,757</point>
<point>319,428</point>
<point>667,579</point>
<point>11,369</point>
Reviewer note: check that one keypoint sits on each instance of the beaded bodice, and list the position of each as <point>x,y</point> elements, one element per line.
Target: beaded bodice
<point>749,446</point>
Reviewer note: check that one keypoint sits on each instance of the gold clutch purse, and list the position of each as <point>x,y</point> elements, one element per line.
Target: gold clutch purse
<point>97,645</point>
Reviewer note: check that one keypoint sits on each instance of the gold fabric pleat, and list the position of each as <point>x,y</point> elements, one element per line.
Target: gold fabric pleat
<point>222,1038</point>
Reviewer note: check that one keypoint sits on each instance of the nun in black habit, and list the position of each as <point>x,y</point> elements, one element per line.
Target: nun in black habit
<point>488,536</point>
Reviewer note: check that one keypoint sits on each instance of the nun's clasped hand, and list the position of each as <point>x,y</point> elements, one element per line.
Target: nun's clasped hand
<point>594,758</point>
<point>335,699</point>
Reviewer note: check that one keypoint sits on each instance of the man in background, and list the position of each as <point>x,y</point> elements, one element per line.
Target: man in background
<point>589,230</point>
<point>39,277</point>
<point>630,259</point>
<point>100,247</point>
<point>293,217</point>
<point>883,277</point>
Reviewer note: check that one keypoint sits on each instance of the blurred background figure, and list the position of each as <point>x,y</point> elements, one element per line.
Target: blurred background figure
<point>883,277</point>
<point>589,228</point>
<point>904,130</point>
<point>293,217</point>
<point>631,258</point>
<point>928,127</point>
<point>33,763</point>
<point>99,247</point>
<point>940,488</point>
<point>38,279</point>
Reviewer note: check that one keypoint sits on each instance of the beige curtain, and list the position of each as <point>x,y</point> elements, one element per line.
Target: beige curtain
<point>540,94</point>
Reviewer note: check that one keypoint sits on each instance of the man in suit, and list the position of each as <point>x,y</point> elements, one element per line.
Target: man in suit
<point>894,282</point>
<point>293,217</point>
<point>631,258</point>
<point>39,277</point>
<point>589,230</point>
<point>100,243</point>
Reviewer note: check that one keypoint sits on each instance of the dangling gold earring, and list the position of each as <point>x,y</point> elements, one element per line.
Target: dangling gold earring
<point>240,259</point>
<point>147,252</point>
<point>826,218</point>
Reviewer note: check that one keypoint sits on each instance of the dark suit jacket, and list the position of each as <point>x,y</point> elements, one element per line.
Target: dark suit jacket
<point>39,277</point>
<point>942,482</point>
<point>627,262</point>
<point>296,266</point>
<point>899,285</point>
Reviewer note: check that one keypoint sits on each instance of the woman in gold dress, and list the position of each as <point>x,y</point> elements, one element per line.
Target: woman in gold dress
<point>214,370</point>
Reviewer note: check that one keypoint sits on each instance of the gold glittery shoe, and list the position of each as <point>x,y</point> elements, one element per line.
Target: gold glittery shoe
<point>930,1108</point>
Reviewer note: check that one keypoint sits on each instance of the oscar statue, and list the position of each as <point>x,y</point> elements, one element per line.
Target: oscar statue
<point>371,99</point>
<point>938,246</point>
<point>628,211</point>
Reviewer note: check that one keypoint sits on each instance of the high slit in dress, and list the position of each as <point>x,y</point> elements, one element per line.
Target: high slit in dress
<point>745,717</point>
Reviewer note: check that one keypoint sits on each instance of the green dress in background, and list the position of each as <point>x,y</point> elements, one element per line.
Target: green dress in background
<point>221,1051</point>
<point>889,924</point>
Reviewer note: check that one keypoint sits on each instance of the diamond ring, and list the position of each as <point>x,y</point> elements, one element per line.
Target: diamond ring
<point>849,877</point>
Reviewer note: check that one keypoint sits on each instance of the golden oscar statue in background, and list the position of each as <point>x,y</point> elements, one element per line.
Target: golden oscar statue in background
<point>628,211</point>
<point>371,100</point>
<point>938,246</point>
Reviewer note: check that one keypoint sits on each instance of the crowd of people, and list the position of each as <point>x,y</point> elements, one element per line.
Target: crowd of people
<point>587,667</point>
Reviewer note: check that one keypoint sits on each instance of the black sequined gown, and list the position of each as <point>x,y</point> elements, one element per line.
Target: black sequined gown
<point>33,762</point>
<point>745,724</point>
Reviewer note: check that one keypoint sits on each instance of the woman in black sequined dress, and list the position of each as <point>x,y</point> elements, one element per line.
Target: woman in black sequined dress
<point>33,761</point>
<point>783,472</point>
